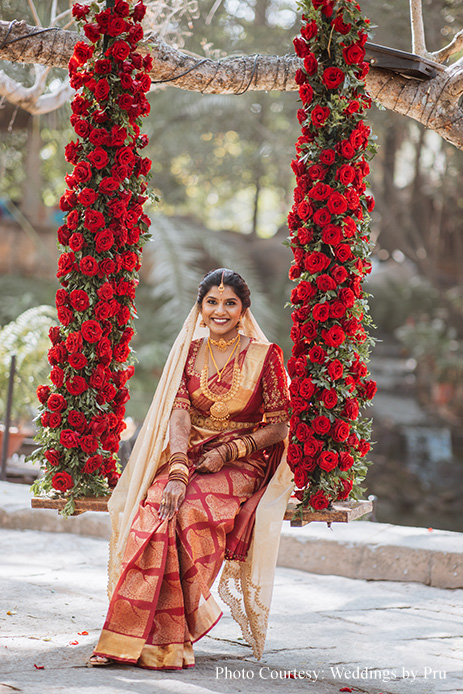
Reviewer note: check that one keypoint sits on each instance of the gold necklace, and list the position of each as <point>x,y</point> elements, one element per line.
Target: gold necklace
<point>223,344</point>
<point>219,409</point>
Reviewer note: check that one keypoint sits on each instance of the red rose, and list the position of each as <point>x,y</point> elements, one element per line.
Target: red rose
<point>345,461</point>
<point>104,240</point>
<point>76,385</point>
<point>363,447</point>
<point>321,312</point>
<point>107,266</point>
<point>339,274</point>
<point>345,489</point>
<point>54,419</point>
<point>77,360</point>
<point>353,54</point>
<point>340,26</point>
<point>351,410</point>
<point>306,389</point>
<point>335,369</point>
<point>316,171</point>
<point>68,438</point>
<point>77,420</point>
<point>321,424</point>
<point>125,102</point>
<point>76,241</point>
<point>317,354</point>
<point>325,283</point>
<point>322,217</point>
<point>79,300</point>
<point>104,351</point>
<point>346,149</point>
<point>98,157</point>
<point>62,481</point>
<point>92,464</point>
<point>305,291</point>
<point>61,297</point>
<point>53,456</point>
<point>337,310</point>
<point>370,389</point>
<point>120,50</point>
<point>309,30</point>
<point>89,443</point>
<point>334,337</point>
<point>92,32</point>
<point>309,331</point>
<point>94,220</point>
<point>99,136</point>
<point>331,235</point>
<point>87,196</point>
<point>319,500</point>
<point>299,405</point>
<point>65,315</point>
<point>108,185</point>
<point>129,260</point>
<point>88,266</point>
<point>304,209</point>
<point>72,220</point>
<point>74,342</point>
<point>300,477</point>
<point>332,77</point>
<point>328,460</point>
<point>347,297</point>
<point>343,252</point>
<point>56,403</point>
<point>91,331</point>
<point>341,430</point>
<point>337,203</point>
<point>304,235</point>
<point>63,236</point>
<point>319,115</point>
<point>42,393</point>
<point>316,262</point>
<point>103,310</point>
<point>81,127</point>
<point>327,156</point>
<point>306,94</point>
<point>294,454</point>
<point>82,172</point>
<point>57,376</point>
<point>303,432</point>
<point>311,448</point>
<point>310,64</point>
<point>66,263</point>
<point>329,398</point>
<point>80,11</point>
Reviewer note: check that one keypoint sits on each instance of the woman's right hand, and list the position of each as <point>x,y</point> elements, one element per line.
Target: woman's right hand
<point>172,497</point>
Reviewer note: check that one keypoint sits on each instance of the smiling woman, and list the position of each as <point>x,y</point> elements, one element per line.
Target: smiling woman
<point>215,487</point>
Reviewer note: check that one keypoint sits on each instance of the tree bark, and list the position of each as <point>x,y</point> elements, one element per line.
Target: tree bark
<point>434,102</point>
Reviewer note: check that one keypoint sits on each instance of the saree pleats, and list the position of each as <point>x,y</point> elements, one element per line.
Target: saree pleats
<point>162,602</point>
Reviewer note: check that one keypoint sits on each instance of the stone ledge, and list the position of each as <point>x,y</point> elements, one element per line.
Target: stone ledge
<point>375,551</point>
<point>359,549</point>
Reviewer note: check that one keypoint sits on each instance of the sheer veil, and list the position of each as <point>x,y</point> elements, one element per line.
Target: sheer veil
<point>245,586</point>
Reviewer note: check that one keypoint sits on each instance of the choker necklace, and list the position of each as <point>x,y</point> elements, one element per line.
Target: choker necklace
<point>219,409</point>
<point>223,344</point>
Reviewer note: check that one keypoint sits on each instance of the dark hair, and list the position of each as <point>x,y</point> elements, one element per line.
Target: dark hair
<point>230,279</point>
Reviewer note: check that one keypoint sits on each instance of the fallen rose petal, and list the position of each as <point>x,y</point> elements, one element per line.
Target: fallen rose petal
<point>39,667</point>
<point>346,689</point>
<point>73,643</point>
<point>430,530</point>
<point>82,633</point>
<point>290,675</point>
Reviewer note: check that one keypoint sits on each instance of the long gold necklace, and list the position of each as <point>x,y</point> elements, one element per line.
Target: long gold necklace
<point>219,409</point>
<point>223,344</point>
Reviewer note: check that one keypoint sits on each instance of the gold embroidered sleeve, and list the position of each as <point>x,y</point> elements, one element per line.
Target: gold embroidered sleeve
<point>275,387</point>
<point>182,399</point>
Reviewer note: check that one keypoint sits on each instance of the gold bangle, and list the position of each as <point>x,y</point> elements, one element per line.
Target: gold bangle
<point>242,448</point>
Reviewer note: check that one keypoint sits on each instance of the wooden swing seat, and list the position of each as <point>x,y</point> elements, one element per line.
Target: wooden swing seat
<point>341,511</point>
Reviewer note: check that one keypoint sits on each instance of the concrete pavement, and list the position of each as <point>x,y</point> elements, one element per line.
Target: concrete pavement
<point>326,632</point>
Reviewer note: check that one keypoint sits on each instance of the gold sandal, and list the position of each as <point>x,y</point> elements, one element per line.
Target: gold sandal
<point>98,661</point>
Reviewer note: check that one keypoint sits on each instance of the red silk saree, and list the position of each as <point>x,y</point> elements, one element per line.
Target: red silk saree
<point>162,602</point>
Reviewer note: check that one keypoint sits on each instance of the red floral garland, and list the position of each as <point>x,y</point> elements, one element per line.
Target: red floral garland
<point>329,236</point>
<point>81,414</point>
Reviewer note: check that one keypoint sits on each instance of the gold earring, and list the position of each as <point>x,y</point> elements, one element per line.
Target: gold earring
<point>238,325</point>
<point>202,324</point>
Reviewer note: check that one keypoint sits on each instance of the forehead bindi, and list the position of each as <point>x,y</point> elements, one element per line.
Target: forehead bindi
<point>226,294</point>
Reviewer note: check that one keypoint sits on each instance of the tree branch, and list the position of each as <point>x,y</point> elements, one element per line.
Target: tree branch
<point>455,46</point>
<point>434,102</point>
<point>417,26</point>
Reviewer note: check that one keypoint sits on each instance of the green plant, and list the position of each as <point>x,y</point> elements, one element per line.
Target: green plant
<point>27,338</point>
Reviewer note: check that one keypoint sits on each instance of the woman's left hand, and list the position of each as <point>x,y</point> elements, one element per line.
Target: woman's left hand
<point>211,461</point>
